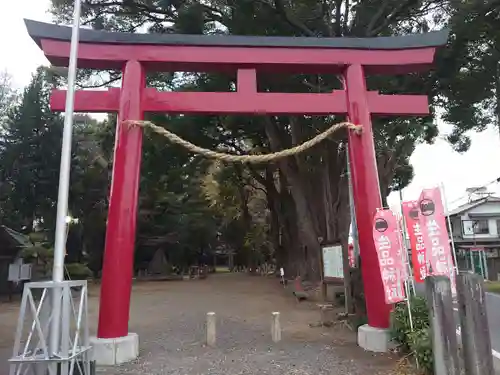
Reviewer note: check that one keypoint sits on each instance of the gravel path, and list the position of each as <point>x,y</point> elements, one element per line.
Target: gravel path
<point>169,318</point>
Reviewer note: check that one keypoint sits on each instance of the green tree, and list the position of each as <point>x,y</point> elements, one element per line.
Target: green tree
<point>8,96</point>
<point>172,204</point>
<point>241,202</point>
<point>29,156</point>
<point>470,76</point>
<point>307,194</point>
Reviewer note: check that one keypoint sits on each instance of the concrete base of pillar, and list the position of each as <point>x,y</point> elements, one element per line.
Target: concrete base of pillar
<point>110,352</point>
<point>374,339</point>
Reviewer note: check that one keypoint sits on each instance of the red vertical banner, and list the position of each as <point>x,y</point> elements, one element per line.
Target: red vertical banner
<point>402,250</point>
<point>411,215</point>
<point>352,260</point>
<point>435,234</point>
<point>388,246</point>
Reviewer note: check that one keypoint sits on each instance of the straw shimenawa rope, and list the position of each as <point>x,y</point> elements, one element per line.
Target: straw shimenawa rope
<point>250,159</point>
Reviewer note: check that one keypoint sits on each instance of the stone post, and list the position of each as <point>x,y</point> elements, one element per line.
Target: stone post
<point>211,333</point>
<point>276,327</point>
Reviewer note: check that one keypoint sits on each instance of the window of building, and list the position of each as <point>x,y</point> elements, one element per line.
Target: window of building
<point>498,227</point>
<point>481,227</point>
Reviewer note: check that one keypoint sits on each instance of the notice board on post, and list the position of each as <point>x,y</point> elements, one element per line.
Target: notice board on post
<point>333,265</point>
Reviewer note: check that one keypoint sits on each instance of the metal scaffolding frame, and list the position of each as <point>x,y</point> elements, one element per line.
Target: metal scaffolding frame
<point>32,350</point>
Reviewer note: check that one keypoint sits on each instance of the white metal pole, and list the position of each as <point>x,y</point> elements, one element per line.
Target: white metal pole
<point>354,226</point>
<point>480,258</point>
<point>410,317</point>
<point>408,304</point>
<point>64,173</point>
<point>64,176</point>
<point>485,259</point>
<point>404,247</point>
<point>441,186</point>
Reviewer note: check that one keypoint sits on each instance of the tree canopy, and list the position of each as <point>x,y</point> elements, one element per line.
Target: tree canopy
<point>283,209</point>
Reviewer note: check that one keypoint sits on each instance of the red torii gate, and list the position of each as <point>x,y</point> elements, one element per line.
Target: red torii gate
<point>135,54</point>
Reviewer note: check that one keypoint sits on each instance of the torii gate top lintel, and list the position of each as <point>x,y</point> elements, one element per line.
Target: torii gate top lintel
<point>245,55</point>
<point>180,52</point>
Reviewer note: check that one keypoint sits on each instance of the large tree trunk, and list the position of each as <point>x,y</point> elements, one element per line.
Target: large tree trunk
<point>320,195</point>
<point>305,220</point>
<point>386,165</point>
<point>246,217</point>
<point>275,228</point>
<point>337,214</point>
<point>291,241</point>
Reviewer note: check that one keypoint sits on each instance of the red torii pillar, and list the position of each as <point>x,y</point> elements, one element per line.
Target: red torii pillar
<point>134,55</point>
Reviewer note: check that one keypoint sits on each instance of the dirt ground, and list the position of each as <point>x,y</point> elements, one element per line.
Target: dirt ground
<point>170,316</point>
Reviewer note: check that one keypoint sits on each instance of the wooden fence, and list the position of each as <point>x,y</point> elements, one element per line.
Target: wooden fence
<point>474,355</point>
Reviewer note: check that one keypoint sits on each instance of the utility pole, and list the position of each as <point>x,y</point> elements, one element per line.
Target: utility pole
<point>64,177</point>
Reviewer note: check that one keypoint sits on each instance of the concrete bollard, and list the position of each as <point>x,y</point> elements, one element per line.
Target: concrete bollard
<point>276,327</point>
<point>211,335</point>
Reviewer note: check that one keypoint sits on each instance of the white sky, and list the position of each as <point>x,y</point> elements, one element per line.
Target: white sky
<point>434,164</point>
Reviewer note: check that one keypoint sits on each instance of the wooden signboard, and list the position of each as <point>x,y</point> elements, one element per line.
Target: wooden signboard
<point>333,266</point>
